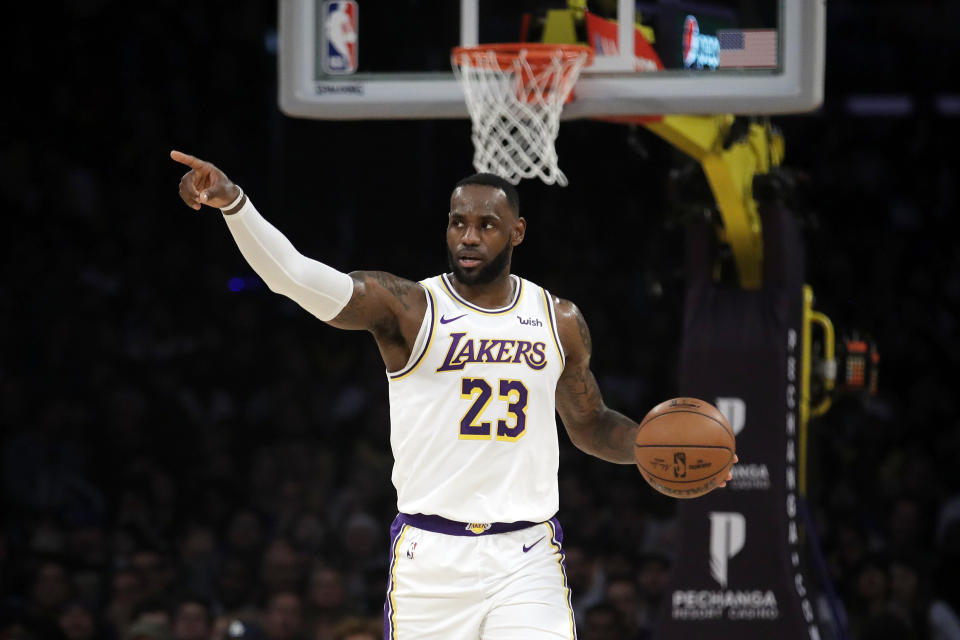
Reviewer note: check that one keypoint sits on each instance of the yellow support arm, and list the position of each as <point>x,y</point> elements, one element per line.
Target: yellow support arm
<point>730,174</point>
<point>829,359</point>
<point>810,318</point>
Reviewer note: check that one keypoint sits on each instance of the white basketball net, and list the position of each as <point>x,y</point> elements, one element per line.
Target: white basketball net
<point>516,111</point>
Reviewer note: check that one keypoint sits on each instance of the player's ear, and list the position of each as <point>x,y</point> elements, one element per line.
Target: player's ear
<point>518,231</point>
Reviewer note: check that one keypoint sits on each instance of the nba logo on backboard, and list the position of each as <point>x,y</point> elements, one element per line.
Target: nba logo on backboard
<point>339,37</point>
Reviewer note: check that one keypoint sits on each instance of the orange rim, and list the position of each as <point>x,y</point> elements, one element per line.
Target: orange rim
<point>538,54</point>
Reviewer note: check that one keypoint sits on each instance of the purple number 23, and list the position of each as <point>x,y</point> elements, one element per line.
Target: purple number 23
<point>478,389</point>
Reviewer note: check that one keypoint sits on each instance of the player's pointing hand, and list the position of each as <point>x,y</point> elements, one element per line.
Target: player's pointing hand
<point>204,184</point>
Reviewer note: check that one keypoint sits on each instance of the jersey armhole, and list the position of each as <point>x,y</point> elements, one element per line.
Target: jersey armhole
<point>424,338</point>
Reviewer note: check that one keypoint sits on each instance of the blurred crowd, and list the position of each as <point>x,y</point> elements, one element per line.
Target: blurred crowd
<point>186,456</point>
<point>884,263</point>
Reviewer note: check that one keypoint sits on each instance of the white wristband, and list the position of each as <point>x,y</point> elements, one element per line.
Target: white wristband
<point>235,202</point>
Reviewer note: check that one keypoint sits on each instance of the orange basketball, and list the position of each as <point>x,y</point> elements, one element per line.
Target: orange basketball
<point>684,447</point>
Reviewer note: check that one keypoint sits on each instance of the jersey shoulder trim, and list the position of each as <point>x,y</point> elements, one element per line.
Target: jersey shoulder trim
<point>490,312</point>
<point>554,330</point>
<point>432,314</point>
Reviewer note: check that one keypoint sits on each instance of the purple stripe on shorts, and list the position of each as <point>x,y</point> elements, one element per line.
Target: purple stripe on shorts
<point>438,524</point>
<point>395,530</point>
<point>558,529</point>
<point>557,540</point>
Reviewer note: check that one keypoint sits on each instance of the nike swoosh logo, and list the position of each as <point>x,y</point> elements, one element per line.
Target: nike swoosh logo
<point>446,320</point>
<point>526,548</point>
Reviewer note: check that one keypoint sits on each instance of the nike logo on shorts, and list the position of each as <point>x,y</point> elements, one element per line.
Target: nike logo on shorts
<point>526,548</point>
<point>446,320</point>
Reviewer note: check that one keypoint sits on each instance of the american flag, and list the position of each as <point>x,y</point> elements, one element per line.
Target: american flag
<point>748,48</point>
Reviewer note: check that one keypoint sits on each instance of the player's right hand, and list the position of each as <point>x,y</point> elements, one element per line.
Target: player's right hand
<point>204,184</point>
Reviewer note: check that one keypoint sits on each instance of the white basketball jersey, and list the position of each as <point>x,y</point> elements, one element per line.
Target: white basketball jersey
<point>473,423</point>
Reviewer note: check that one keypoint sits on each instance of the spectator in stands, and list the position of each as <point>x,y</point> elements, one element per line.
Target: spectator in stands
<point>145,630</point>
<point>198,559</point>
<point>358,629</point>
<point>603,621</point>
<point>192,619</point>
<point>281,568</point>
<point>283,618</point>
<point>867,592</point>
<point>244,534</point>
<point>51,589</point>
<point>653,579</point>
<point>623,594</point>
<point>126,594</point>
<point>156,571</point>
<point>154,611</point>
<point>326,601</point>
<point>78,621</point>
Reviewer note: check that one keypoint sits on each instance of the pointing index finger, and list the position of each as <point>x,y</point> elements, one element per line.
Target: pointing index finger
<point>187,159</point>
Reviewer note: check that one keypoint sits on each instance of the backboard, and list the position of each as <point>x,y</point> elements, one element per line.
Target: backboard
<point>363,59</point>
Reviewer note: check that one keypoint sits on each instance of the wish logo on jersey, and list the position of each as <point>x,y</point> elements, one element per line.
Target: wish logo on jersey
<point>463,351</point>
<point>339,39</point>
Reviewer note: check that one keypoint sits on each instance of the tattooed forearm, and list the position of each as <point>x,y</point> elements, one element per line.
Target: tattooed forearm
<point>581,395</point>
<point>593,427</point>
<point>610,437</point>
<point>614,437</point>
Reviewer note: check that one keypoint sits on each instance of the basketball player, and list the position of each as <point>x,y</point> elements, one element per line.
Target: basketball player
<point>478,361</point>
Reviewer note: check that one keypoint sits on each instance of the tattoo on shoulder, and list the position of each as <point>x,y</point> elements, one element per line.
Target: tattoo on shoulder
<point>398,287</point>
<point>584,331</point>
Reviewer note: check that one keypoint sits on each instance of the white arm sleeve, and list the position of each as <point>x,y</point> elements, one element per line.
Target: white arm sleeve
<point>321,290</point>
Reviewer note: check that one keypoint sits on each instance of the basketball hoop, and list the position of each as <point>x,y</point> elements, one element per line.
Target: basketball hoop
<point>515,93</point>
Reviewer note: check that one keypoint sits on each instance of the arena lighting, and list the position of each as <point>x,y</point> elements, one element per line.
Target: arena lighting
<point>948,104</point>
<point>899,105</point>
<point>880,105</point>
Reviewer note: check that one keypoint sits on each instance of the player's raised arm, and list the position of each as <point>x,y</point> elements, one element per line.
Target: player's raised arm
<point>388,306</point>
<point>593,427</point>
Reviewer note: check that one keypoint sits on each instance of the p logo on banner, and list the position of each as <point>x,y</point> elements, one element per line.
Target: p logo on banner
<point>728,533</point>
<point>735,411</point>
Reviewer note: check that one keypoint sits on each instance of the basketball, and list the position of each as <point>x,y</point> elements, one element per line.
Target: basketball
<point>684,447</point>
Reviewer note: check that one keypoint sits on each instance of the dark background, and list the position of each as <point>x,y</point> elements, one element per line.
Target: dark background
<point>167,440</point>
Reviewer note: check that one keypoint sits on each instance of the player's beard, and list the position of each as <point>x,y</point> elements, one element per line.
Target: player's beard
<point>485,274</point>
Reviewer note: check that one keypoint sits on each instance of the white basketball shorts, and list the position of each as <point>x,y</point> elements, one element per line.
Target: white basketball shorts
<point>459,581</point>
